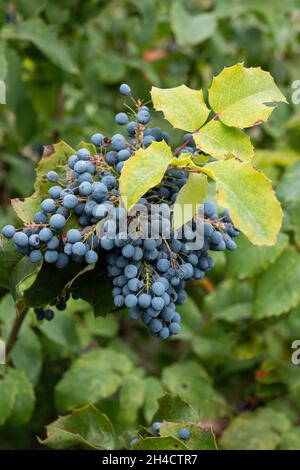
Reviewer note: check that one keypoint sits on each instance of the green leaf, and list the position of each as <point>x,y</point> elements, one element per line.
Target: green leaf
<point>231,301</point>
<point>27,354</point>
<point>3,62</point>
<point>22,277</point>
<point>62,330</point>
<point>190,196</point>
<point>249,196</point>
<point>159,443</point>
<point>38,33</point>
<point>85,427</point>
<point>191,29</point>
<point>55,157</point>
<point>291,440</point>
<point>49,283</point>
<point>144,170</point>
<point>200,439</point>
<point>105,327</point>
<point>243,97</point>
<point>249,260</point>
<point>259,430</point>
<point>9,258</point>
<point>285,275</point>
<point>25,399</point>
<point>220,141</point>
<point>131,396</point>
<point>153,390</point>
<point>190,381</point>
<point>182,107</point>
<point>93,376</point>
<point>288,189</point>
<point>95,287</point>
<point>176,409</point>
<point>8,391</point>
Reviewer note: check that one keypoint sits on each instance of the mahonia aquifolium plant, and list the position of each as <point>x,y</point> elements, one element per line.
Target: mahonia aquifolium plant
<point>87,195</point>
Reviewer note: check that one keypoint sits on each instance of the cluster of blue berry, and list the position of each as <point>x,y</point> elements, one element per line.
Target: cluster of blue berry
<point>148,274</point>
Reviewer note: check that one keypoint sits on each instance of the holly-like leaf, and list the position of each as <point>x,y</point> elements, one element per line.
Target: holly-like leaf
<point>243,97</point>
<point>159,443</point>
<point>200,438</point>
<point>285,275</point>
<point>85,427</point>
<point>144,170</point>
<point>183,107</point>
<point>260,430</point>
<point>8,393</point>
<point>9,258</point>
<point>176,409</point>
<point>249,196</point>
<point>191,382</point>
<point>55,157</point>
<point>249,260</point>
<point>153,390</point>
<point>38,33</point>
<point>22,277</point>
<point>219,141</point>
<point>231,301</point>
<point>131,396</point>
<point>24,400</point>
<point>190,196</point>
<point>191,29</point>
<point>93,376</point>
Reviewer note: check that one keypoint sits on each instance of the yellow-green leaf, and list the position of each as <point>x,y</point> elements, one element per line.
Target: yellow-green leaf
<point>144,170</point>
<point>250,198</point>
<point>243,97</point>
<point>182,107</point>
<point>218,140</point>
<point>188,199</point>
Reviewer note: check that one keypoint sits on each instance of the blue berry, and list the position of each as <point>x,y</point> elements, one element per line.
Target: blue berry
<point>85,188</point>
<point>8,231</point>
<point>72,160</point>
<point>174,328</point>
<point>54,192</point>
<point>125,89</point>
<point>131,300</point>
<point>51,256</point>
<point>128,251</point>
<point>91,257</point>
<point>70,201</point>
<point>184,434</point>
<point>83,154</point>
<point>118,142</point>
<point>21,239</point>
<point>49,315</point>
<point>164,333</point>
<point>158,288</point>
<point>97,139</point>
<point>121,118</point>
<point>130,271</point>
<point>79,249</point>
<point>119,300</point>
<point>143,116</point>
<point>52,176</point>
<point>40,218</point>
<point>144,300</point>
<point>34,240</point>
<point>123,155</point>
<point>131,128</point>
<point>35,256</point>
<point>155,428</point>
<point>73,235</point>
<point>48,205</point>
<point>57,221</point>
<point>62,260</point>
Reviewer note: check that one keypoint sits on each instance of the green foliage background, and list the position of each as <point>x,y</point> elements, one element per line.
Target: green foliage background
<point>62,62</point>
